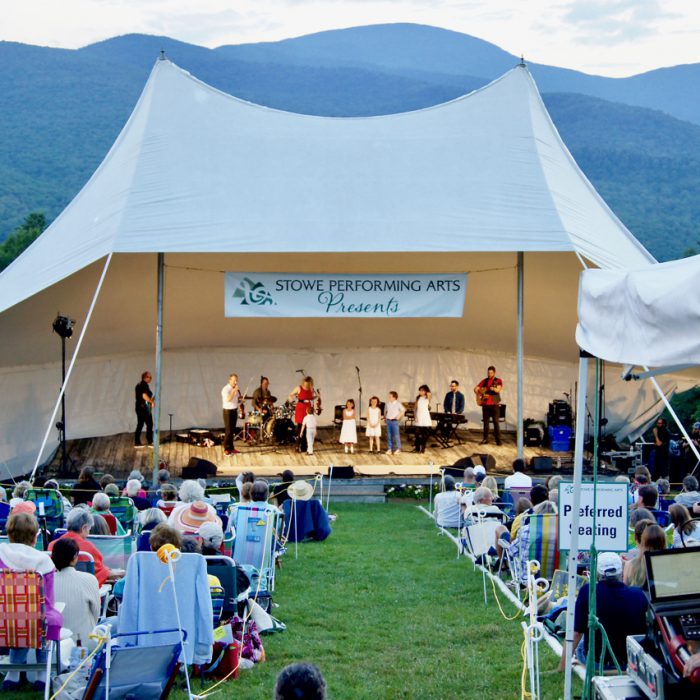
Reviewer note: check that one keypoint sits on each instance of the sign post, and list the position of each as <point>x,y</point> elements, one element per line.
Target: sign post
<point>611,516</point>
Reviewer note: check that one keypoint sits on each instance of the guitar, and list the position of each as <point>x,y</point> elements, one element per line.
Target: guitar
<point>484,391</point>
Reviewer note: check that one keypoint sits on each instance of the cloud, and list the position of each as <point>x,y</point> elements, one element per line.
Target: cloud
<point>608,22</point>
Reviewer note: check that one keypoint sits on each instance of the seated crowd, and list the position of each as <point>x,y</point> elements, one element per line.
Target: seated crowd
<point>509,528</point>
<point>73,566</point>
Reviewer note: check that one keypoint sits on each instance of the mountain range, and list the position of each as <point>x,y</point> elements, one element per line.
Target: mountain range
<point>636,138</point>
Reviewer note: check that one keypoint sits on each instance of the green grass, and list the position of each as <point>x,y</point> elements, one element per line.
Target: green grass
<point>386,610</point>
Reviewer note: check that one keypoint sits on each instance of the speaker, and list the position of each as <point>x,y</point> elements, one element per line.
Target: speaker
<point>343,472</point>
<point>541,465</point>
<point>533,436</point>
<point>198,469</point>
<point>488,461</point>
<point>456,472</point>
<point>463,463</point>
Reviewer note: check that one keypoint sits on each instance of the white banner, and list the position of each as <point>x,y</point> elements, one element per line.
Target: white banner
<point>292,295</point>
<point>611,516</point>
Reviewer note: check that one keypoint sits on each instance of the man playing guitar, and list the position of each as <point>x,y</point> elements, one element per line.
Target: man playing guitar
<point>488,396</point>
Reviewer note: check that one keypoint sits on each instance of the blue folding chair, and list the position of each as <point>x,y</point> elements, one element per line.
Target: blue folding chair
<point>256,540</point>
<point>49,505</point>
<point>4,515</point>
<point>144,672</point>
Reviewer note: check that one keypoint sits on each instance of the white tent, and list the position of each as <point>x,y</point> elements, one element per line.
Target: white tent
<point>219,184</point>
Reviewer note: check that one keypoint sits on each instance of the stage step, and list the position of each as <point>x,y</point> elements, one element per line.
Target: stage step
<point>357,490</point>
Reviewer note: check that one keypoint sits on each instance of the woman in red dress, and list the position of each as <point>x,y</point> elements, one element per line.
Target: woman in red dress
<point>304,395</point>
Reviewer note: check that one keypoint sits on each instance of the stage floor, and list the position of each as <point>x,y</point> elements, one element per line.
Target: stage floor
<point>115,454</point>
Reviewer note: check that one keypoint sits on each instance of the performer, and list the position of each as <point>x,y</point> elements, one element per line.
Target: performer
<point>144,405</point>
<point>348,430</point>
<point>304,395</point>
<point>230,399</point>
<point>262,396</point>
<point>393,413</point>
<point>422,421</point>
<point>308,428</point>
<point>374,424</point>
<point>454,405</point>
<point>662,441</point>
<point>488,396</point>
<point>454,399</point>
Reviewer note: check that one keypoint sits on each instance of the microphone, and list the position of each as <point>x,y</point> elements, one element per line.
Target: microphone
<point>300,371</point>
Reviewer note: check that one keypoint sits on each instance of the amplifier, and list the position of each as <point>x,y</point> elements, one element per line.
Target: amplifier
<point>615,688</point>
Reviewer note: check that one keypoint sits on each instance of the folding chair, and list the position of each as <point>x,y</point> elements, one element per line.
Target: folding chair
<point>4,515</point>
<point>51,502</point>
<point>227,544</point>
<point>38,546</point>
<point>144,672</point>
<point>23,621</point>
<point>167,507</point>
<point>115,549</point>
<point>256,537</point>
<point>124,510</point>
<point>218,596</point>
<point>544,544</point>
<point>224,568</point>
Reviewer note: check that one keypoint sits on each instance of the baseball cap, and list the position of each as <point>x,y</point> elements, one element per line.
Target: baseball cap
<point>609,565</point>
<point>479,469</point>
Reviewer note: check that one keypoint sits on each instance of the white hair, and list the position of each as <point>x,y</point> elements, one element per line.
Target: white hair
<point>3,495</point>
<point>133,486</point>
<point>78,518</point>
<point>545,508</point>
<point>100,502</point>
<point>21,489</point>
<point>152,515</point>
<point>190,491</point>
<point>482,494</point>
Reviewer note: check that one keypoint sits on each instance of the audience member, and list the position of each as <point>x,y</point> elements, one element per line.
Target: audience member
<point>690,495</point>
<point>148,519</point>
<point>482,504</point>
<point>19,554</point>
<point>279,492</point>
<point>538,494</point>
<point>18,492</point>
<point>79,522</point>
<point>192,516</point>
<point>300,681</point>
<point>647,497</point>
<point>639,528</point>
<point>523,505</point>
<point>136,475</point>
<point>653,540</point>
<point>190,545</point>
<point>86,487</point>
<point>246,493</point>
<point>99,526</point>
<point>212,538</point>
<point>490,483</point>
<point>469,478</point>
<point>112,490</point>
<point>243,478</point>
<point>446,509</point>
<point>686,532</point>
<point>3,495</point>
<point>621,610</point>
<point>518,479</point>
<point>67,505</point>
<point>77,590</point>
<point>168,497</point>
<point>165,534</point>
<point>100,506</point>
<point>106,480</point>
<point>134,490</point>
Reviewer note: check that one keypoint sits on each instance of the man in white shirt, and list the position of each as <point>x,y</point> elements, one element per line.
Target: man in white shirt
<point>518,479</point>
<point>393,412</point>
<point>230,399</point>
<point>446,505</point>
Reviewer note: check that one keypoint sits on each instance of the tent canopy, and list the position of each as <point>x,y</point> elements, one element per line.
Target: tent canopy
<point>196,170</point>
<point>220,184</point>
<point>646,316</point>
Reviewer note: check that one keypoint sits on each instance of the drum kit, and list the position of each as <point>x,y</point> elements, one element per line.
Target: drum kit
<point>271,424</point>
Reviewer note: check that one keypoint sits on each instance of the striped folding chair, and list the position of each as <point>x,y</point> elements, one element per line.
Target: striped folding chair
<point>124,510</point>
<point>23,621</point>
<point>116,550</point>
<point>49,505</point>
<point>544,546</point>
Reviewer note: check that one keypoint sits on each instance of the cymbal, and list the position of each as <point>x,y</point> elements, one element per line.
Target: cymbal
<point>247,398</point>
<point>271,399</point>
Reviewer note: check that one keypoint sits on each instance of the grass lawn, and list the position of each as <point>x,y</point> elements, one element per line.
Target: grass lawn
<point>387,611</point>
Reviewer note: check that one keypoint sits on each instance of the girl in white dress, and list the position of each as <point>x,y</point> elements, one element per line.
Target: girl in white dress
<point>374,423</point>
<point>422,420</point>
<point>348,431</point>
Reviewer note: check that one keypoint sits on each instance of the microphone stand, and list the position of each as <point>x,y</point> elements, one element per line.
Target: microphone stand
<point>359,385</point>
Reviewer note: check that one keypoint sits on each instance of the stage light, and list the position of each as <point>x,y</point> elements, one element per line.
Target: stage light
<point>63,326</point>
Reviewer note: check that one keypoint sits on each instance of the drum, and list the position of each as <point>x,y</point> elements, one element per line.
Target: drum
<point>269,428</point>
<point>284,431</point>
<point>255,418</point>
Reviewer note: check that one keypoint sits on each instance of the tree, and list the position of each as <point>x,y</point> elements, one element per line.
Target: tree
<point>21,238</point>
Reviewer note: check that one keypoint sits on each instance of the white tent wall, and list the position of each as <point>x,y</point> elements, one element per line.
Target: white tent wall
<point>100,399</point>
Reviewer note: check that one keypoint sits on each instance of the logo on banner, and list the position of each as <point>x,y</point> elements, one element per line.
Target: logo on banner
<point>253,293</point>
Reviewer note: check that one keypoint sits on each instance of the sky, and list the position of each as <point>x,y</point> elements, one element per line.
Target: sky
<point>605,37</point>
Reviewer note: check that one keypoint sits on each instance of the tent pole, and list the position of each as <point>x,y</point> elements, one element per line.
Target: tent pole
<point>521,321</point>
<point>59,400</point>
<point>159,369</point>
<point>573,552</point>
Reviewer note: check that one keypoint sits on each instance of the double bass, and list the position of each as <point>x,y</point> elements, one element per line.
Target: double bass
<point>319,407</point>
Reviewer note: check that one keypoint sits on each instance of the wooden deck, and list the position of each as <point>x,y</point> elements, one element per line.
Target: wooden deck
<point>116,455</point>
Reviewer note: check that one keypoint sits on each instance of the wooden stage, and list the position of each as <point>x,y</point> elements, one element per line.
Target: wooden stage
<point>115,454</point>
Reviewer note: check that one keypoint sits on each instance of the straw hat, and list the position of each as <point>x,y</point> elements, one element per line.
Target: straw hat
<point>300,490</point>
<point>28,507</point>
<point>194,516</point>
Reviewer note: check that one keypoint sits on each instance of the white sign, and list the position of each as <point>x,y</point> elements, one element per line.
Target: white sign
<point>610,521</point>
<point>292,295</point>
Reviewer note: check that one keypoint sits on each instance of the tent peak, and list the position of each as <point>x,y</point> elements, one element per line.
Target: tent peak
<point>162,55</point>
<point>522,63</point>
